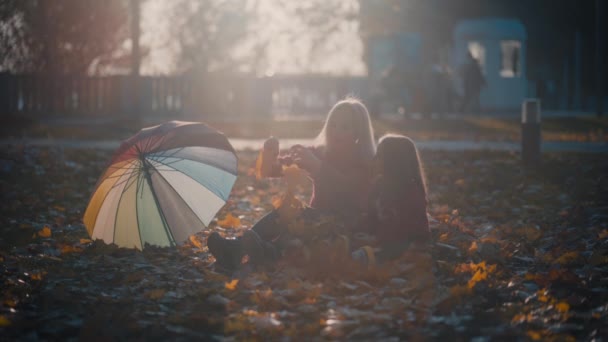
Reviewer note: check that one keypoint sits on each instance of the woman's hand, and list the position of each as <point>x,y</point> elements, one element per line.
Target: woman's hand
<point>305,159</point>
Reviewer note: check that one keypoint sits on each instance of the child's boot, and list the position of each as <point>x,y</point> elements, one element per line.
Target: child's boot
<point>227,252</point>
<point>260,253</point>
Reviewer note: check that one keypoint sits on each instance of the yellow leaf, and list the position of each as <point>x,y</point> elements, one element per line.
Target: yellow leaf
<point>232,284</point>
<point>194,240</point>
<point>521,318</point>
<point>443,237</point>
<point>489,239</point>
<point>603,234</point>
<point>459,290</point>
<point>473,247</point>
<point>289,209</point>
<point>480,272</point>
<point>36,276</point>
<point>562,307</point>
<point>85,241</point>
<point>567,258</point>
<point>45,232</point>
<point>70,249</point>
<point>251,313</point>
<point>255,200</point>
<point>294,176</point>
<point>310,300</point>
<point>463,268</point>
<point>4,322</point>
<point>59,208</point>
<point>542,296</point>
<point>477,277</point>
<point>531,233</point>
<point>155,294</point>
<point>229,221</point>
<point>535,335</point>
<point>473,267</point>
<point>277,201</point>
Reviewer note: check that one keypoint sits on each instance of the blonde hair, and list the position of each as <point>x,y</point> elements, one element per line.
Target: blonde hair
<point>364,131</point>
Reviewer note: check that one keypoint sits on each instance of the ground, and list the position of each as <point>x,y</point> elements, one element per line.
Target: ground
<point>467,127</point>
<point>516,254</point>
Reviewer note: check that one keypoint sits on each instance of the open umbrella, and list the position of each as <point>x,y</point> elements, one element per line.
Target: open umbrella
<point>163,184</point>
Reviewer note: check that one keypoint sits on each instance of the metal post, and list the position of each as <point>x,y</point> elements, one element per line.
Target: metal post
<point>576,102</point>
<point>530,133</point>
<point>599,60</point>
<point>135,32</point>
<point>135,60</point>
<point>5,99</point>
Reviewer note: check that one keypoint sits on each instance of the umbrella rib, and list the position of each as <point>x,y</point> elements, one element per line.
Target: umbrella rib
<point>197,161</point>
<point>165,157</point>
<point>130,173</point>
<point>109,164</point>
<point>180,198</point>
<point>119,167</point>
<point>139,187</point>
<point>124,168</point>
<point>101,180</point>
<point>128,166</point>
<point>149,143</point>
<point>129,169</point>
<point>118,176</point>
<point>194,160</point>
<point>119,204</point>
<point>160,210</point>
<point>178,149</point>
<point>154,139</point>
<point>203,185</point>
<point>105,196</point>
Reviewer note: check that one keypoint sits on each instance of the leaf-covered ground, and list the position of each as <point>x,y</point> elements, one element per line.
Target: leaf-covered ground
<point>516,255</point>
<point>485,128</point>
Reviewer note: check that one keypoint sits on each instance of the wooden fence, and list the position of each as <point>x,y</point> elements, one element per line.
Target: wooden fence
<point>180,97</point>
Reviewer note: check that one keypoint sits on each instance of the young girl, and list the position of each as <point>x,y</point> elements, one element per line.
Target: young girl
<point>397,201</point>
<point>339,166</point>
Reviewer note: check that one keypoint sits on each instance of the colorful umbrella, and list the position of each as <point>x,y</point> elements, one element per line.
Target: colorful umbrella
<point>163,184</point>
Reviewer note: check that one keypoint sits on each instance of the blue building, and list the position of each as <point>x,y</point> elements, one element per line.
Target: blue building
<point>499,46</point>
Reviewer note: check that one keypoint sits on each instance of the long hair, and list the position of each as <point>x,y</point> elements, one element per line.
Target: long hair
<point>366,147</point>
<point>401,166</point>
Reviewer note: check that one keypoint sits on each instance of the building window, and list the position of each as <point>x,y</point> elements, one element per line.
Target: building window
<point>511,58</point>
<point>478,51</point>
